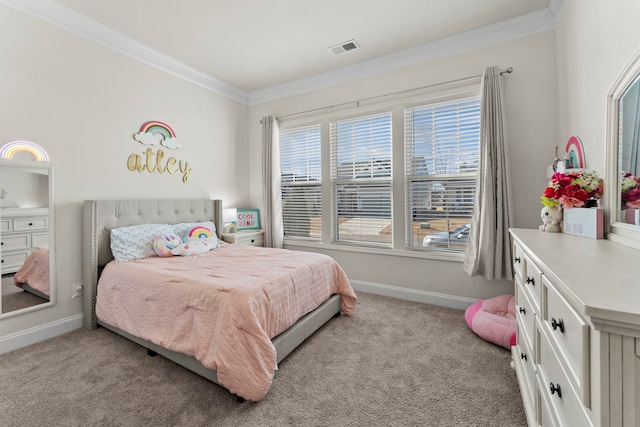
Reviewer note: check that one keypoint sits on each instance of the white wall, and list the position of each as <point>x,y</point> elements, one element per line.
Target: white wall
<point>531,102</point>
<point>82,103</point>
<point>595,41</point>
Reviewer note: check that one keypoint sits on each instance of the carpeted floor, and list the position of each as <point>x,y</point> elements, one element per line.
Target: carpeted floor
<point>394,363</point>
<point>14,298</point>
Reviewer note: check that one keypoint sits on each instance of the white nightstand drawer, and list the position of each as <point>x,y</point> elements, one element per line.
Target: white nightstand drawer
<point>554,384</point>
<point>28,224</point>
<point>248,238</point>
<point>5,225</point>
<point>14,242</point>
<point>13,260</point>
<point>570,332</point>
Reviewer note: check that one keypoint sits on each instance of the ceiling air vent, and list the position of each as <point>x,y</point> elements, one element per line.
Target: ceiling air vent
<point>344,47</point>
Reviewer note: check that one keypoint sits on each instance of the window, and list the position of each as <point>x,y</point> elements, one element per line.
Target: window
<point>348,157</point>
<point>301,182</point>
<point>361,179</point>
<point>442,149</point>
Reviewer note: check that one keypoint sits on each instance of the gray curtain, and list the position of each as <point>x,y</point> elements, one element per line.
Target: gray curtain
<point>271,195</point>
<point>489,250</point>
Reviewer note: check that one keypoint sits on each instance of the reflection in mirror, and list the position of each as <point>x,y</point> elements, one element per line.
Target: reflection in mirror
<point>26,222</point>
<point>622,187</point>
<point>629,153</point>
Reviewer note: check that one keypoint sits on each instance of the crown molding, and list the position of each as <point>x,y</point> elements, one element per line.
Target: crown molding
<point>61,16</point>
<point>76,23</point>
<point>511,29</point>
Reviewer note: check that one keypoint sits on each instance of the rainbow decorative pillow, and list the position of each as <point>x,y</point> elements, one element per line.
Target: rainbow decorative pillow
<point>164,243</point>
<point>201,233</point>
<point>185,227</point>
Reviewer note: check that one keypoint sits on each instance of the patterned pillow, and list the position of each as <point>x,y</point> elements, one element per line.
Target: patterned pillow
<point>136,241</point>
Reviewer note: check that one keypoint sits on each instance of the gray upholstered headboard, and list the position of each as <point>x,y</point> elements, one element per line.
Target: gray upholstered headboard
<point>100,216</point>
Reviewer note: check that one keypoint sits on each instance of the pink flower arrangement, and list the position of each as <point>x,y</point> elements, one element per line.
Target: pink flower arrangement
<point>573,190</point>
<point>630,191</point>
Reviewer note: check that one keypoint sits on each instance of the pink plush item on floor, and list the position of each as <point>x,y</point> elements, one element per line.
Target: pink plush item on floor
<point>494,320</point>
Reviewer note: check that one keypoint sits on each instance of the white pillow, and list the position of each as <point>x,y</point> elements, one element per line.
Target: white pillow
<point>136,241</point>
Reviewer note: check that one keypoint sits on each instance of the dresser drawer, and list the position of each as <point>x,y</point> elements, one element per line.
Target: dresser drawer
<point>532,282</point>
<point>527,362</point>
<point>525,315</point>
<point>29,224</point>
<point>39,239</point>
<point>518,260</point>
<point>570,332</point>
<point>554,385</point>
<point>13,260</point>
<point>5,225</point>
<point>15,242</point>
<point>546,416</point>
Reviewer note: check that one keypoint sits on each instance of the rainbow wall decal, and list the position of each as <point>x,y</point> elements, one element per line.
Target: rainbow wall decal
<point>157,133</point>
<point>11,148</point>
<point>158,127</point>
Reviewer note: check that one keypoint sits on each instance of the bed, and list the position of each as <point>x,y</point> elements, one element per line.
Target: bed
<point>222,358</point>
<point>33,275</point>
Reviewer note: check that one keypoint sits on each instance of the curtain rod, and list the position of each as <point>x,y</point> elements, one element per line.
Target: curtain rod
<point>509,70</point>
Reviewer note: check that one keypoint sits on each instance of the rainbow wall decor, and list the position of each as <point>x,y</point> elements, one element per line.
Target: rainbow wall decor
<point>157,133</point>
<point>11,148</point>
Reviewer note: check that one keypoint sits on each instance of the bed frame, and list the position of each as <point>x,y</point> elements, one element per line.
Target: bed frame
<point>100,216</point>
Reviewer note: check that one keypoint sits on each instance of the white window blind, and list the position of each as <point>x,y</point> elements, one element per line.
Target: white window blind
<point>361,180</point>
<point>301,183</point>
<point>442,151</point>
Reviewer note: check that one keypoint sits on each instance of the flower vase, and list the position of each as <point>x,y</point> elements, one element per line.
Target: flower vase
<point>585,222</point>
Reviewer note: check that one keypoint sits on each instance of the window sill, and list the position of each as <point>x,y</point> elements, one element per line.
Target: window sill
<point>434,255</point>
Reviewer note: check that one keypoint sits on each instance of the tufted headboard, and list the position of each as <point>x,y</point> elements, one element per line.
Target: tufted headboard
<point>100,216</point>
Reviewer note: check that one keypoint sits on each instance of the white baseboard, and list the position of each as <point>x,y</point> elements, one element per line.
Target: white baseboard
<point>413,294</point>
<point>39,333</point>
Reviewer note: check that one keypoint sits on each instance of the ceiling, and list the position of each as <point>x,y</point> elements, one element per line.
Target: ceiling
<point>254,46</point>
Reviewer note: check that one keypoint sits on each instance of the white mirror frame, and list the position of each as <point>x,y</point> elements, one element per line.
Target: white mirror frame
<point>626,234</point>
<point>27,165</point>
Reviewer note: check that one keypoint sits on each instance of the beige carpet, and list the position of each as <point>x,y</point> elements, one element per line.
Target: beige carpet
<point>394,363</point>
<point>14,298</point>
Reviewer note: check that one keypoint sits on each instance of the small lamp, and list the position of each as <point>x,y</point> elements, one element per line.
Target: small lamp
<point>229,217</point>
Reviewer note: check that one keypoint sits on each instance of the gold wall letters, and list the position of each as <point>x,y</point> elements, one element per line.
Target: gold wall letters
<point>152,162</point>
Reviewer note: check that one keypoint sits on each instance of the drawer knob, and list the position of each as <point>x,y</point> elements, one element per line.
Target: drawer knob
<point>517,259</point>
<point>523,356</point>
<point>555,389</point>
<point>531,281</point>
<point>30,223</point>
<point>522,310</point>
<point>555,324</point>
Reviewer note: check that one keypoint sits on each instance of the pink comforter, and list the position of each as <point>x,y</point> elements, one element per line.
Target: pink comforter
<point>35,271</point>
<point>223,307</point>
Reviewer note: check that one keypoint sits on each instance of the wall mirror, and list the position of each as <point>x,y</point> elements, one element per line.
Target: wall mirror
<point>26,236</point>
<point>623,147</point>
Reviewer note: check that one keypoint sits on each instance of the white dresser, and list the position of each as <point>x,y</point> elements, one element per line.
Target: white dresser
<point>577,356</point>
<point>21,231</point>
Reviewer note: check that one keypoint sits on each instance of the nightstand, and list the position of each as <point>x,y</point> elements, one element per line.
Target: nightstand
<point>248,237</point>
